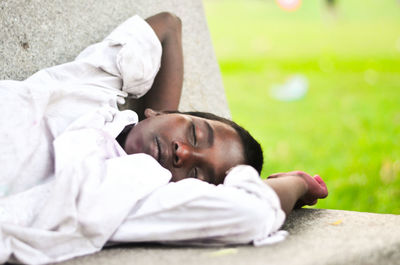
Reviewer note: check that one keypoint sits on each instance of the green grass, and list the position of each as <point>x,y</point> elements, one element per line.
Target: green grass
<point>347,128</point>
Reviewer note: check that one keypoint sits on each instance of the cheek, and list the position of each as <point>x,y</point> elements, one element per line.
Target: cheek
<point>134,142</point>
<point>232,155</point>
<point>177,175</point>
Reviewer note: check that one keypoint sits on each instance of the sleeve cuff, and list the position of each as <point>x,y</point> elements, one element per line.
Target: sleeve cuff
<point>139,59</point>
<point>247,178</point>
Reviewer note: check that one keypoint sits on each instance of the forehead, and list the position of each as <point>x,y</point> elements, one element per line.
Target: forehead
<point>219,128</point>
<point>227,149</point>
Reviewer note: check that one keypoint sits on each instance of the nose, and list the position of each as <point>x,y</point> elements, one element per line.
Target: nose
<point>183,154</point>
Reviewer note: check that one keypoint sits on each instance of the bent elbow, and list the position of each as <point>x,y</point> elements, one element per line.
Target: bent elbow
<point>173,22</point>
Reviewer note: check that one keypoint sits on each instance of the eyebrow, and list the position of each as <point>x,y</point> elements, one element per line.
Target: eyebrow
<point>210,138</point>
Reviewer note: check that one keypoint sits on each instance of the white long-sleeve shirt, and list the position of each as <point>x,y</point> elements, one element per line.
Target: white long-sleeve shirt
<point>35,111</point>
<point>79,190</point>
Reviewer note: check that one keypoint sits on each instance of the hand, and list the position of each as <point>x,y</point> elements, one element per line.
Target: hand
<point>316,187</point>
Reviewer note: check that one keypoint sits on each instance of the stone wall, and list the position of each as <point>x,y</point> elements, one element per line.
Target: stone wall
<point>35,34</point>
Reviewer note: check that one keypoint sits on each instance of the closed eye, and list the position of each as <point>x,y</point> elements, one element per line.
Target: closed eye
<point>193,173</point>
<point>194,134</point>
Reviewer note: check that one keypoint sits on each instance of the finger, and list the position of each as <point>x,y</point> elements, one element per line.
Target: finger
<point>323,188</point>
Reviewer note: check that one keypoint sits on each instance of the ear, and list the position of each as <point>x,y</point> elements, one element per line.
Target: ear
<point>151,113</point>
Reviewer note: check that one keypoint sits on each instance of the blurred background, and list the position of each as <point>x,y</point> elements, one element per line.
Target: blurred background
<point>317,82</point>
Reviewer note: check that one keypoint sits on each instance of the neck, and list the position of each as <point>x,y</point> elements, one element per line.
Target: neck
<point>121,138</point>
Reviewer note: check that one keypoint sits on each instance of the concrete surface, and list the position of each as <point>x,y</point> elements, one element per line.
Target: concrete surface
<point>40,33</point>
<point>35,34</point>
<point>316,237</point>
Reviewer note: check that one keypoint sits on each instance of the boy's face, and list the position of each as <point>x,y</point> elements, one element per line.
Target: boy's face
<point>188,146</point>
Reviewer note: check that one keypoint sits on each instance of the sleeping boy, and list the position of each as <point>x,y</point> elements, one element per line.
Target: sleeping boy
<point>78,174</point>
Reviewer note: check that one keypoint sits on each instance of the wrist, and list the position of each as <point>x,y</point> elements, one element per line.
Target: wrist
<point>301,184</point>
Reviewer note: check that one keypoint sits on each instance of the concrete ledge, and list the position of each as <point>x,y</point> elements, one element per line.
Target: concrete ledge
<point>38,34</point>
<point>316,237</point>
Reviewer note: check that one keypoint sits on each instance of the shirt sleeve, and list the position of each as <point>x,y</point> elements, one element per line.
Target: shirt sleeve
<point>131,52</point>
<point>192,212</point>
<point>124,64</point>
<point>94,188</point>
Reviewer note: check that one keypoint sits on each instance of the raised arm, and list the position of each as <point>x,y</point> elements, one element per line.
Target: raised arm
<point>166,90</point>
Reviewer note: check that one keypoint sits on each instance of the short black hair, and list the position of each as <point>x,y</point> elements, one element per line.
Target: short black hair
<point>253,153</point>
